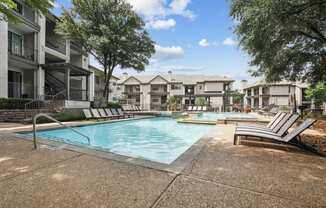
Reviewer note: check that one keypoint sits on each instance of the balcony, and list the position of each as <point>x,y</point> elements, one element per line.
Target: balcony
<point>29,54</point>
<point>27,16</point>
<point>59,46</point>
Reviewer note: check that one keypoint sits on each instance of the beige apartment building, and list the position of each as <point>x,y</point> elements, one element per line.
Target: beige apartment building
<point>262,94</point>
<point>152,92</point>
<point>39,64</point>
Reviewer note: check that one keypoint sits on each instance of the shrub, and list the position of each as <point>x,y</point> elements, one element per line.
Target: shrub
<point>13,103</point>
<point>62,116</point>
<point>113,105</point>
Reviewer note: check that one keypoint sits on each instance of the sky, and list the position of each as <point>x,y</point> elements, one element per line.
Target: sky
<point>191,36</point>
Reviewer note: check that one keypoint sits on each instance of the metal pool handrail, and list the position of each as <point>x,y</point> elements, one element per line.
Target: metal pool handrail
<point>53,119</point>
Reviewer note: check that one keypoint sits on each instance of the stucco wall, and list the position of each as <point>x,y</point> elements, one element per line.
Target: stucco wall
<point>214,86</point>
<point>3,59</point>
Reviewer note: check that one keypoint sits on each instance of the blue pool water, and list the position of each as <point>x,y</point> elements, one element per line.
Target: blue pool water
<point>160,139</point>
<point>215,116</point>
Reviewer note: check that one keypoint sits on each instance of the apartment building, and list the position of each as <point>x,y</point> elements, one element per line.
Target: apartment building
<point>39,64</point>
<point>262,94</point>
<point>99,84</point>
<point>152,92</point>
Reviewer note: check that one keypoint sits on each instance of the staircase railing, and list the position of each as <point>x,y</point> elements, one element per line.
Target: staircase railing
<point>61,124</point>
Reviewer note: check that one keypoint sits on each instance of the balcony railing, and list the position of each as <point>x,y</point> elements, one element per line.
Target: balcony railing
<point>27,53</point>
<point>20,90</point>
<point>79,94</point>
<point>56,45</point>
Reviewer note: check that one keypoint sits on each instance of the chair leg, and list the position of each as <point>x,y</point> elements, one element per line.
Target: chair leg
<point>235,140</point>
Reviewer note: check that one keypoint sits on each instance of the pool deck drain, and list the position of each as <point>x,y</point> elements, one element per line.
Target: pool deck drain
<point>221,175</point>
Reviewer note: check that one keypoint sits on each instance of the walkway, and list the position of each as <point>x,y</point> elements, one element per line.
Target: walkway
<point>222,175</point>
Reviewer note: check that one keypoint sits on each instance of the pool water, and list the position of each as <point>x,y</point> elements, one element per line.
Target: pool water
<point>159,139</point>
<point>215,116</point>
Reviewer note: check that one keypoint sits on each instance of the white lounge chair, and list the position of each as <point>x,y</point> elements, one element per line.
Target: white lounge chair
<point>200,108</point>
<point>276,120</point>
<point>95,113</point>
<point>102,113</point>
<point>289,138</point>
<point>109,113</point>
<point>189,108</point>
<point>278,131</point>
<point>87,113</point>
<point>205,108</point>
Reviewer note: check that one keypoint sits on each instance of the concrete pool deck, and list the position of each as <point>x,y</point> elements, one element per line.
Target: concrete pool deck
<point>221,175</point>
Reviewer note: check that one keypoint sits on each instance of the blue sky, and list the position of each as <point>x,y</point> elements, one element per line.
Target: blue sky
<point>192,37</point>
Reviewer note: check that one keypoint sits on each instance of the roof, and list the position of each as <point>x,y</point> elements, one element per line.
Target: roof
<point>280,83</point>
<point>177,78</point>
<point>95,69</point>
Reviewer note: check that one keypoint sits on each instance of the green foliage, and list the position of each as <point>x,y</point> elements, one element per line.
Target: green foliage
<point>237,98</point>
<point>13,103</point>
<point>200,101</point>
<point>317,93</point>
<point>285,38</point>
<point>113,105</point>
<point>110,31</point>
<point>6,7</point>
<point>174,100</point>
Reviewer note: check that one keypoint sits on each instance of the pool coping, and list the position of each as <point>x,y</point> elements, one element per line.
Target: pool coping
<point>176,166</point>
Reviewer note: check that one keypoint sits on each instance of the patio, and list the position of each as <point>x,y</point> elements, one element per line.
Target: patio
<point>221,175</point>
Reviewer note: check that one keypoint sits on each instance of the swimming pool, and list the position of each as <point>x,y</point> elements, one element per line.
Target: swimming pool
<point>159,139</point>
<point>215,116</point>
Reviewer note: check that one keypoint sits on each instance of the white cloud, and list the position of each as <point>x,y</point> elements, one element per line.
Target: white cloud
<point>180,7</point>
<point>167,53</point>
<point>161,24</point>
<point>205,43</point>
<point>230,42</point>
<point>159,10</point>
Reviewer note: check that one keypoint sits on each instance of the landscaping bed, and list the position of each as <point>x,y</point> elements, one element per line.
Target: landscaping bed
<point>317,137</point>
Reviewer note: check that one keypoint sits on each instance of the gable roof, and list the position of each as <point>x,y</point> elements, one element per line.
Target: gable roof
<point>178,78</point>
<point>280,83</point>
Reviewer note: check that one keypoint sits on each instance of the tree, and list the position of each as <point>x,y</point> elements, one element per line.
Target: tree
<point>6,7</point>
<point>201,101</point>
<point>237,98</point>
<point>317,93</point>
<point>173,102</point>
<point>110,31</point>
<point>285,38</point>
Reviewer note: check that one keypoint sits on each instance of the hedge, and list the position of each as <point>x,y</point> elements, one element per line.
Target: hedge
<point>13,103</point>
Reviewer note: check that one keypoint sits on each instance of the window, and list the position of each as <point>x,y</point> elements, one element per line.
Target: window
<point>155,100</point>
<point>200,87</point>
<point>97,80</point>
<point>19,7</point>
<point>15,43</point>
<point>175,87</point>
<point>155,88</point>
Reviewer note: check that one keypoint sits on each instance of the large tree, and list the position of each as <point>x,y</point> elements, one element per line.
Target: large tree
<point>6,7</point>
<point>110,31</point>
<point>285,38</point>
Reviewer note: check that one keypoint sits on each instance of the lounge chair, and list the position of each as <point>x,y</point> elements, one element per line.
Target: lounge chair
<point>195,108</point>
<point>88,114</point>
<point>200,108</point>
<point>289,138</point>
<point>115,113</point>
<point>276,119</point>
<point>102,113</point>
<point>109,113</point>
<point>189,108</point>
<point>205,108</point>
<point>96,113</point>
<point>137,108</point>
<point>281,131</point>
<point>122,113</point>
